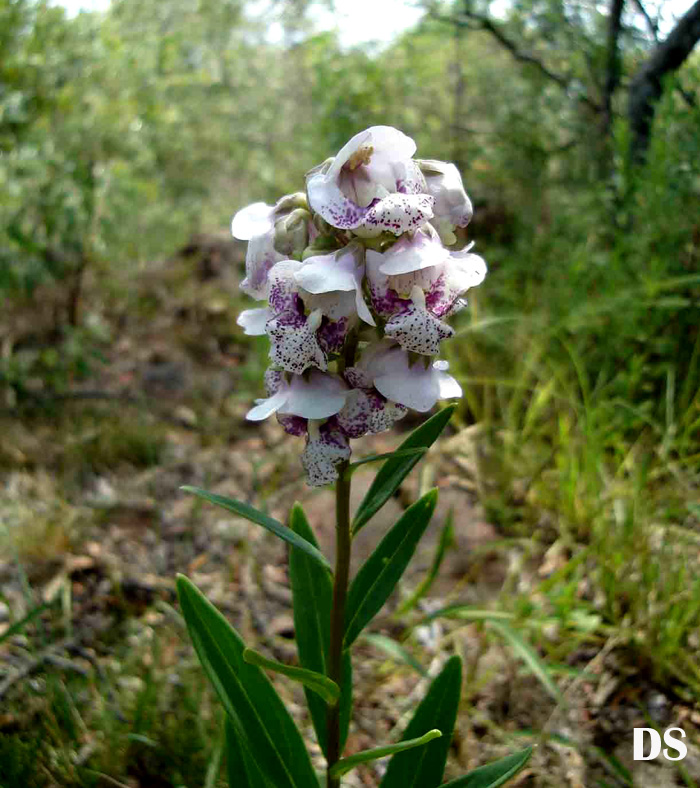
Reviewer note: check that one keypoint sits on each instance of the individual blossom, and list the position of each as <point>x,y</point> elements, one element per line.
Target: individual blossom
<point>452,207</point>
<point>267,227</point>
<point>416,284</point>
<point>372,185</point>
<point>332,283</point>
<point>417,385</point>
<point>307,405</point>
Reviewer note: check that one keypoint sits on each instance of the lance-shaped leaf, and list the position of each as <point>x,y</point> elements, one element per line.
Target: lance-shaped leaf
<point>397,468</point>
<point>312,592</point>
<point>380,573</point>
<point>262,725</point>
<point>242,770</point>
<point>345,765</point>
<point>424,768</point>
<point>257,517</point>
<point>320,684</point>
<point>492,775</point>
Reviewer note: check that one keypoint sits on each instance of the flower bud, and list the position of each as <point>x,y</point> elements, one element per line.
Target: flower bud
<point>292,233</point>
<point>290,202</point>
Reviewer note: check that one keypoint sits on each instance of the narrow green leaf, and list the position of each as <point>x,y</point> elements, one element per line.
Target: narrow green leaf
<point>398,454</point>
<point>18,626</point>
<point>467,613</point>
<point>263,727</point>
<point>242,770</point>
<point>396,469</point>
<point>345,765</point>
<point>493,774</point>
<point>312,594</point>
<point>380,573</point>
<point>522,649</point>
<point>317,682</point>
<point>257,517</point>
<point>438,709</point>
<point>396,651</point>
<point>446,540</point>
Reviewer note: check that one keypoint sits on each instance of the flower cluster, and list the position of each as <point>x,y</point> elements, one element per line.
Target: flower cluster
<point>359,276</point>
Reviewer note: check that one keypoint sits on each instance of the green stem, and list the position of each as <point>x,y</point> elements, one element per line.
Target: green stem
<point>340,590</point>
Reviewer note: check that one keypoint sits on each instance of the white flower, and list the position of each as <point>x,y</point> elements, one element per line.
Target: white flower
<point>418,386</point>
<point>313,396</point>
<point>416,283</point>
<point>453,208</point>
<point>333,283</point>
<point>256,224</point>
<point>372,185</point>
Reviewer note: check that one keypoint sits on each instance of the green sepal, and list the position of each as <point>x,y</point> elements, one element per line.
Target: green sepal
<point>395,469</point>
<point>378,576</point>
<point>257,517</point>
<point>438,709</point>
<point>262,725</point>
<point>495,774</point>
<point>345,765</point>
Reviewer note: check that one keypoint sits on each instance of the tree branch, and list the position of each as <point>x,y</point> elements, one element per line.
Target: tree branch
<point>647,84</point>
<point>496,30</point>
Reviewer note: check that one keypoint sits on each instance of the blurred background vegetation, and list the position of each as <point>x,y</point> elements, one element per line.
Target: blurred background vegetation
<point>128,138</point>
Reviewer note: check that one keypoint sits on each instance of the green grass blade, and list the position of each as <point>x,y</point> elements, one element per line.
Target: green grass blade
<point>522,649</point>
<point>396,469</point>
<point>379,575</point>
<point>424,768</point>
<point>347,764</point>
<point>261,722</point>
<point>492,775</point>
<point>312,594</point>
<point>317,682</point>
<point>396,651</point>
<point>18,626</point>
<point>446,540</point>
<point>257,517</point>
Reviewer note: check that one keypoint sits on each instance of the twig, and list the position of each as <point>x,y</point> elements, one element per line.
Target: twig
<point>486,23</point>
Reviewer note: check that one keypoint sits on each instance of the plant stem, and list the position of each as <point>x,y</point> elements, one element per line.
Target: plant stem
<point>340,590</point>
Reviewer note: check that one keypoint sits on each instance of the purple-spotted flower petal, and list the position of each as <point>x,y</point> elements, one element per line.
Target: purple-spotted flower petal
<point>293,342</point>
<point>366,411</point>
<point>416,329</point>
<point>326,448</point>
<point>372,185</point>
